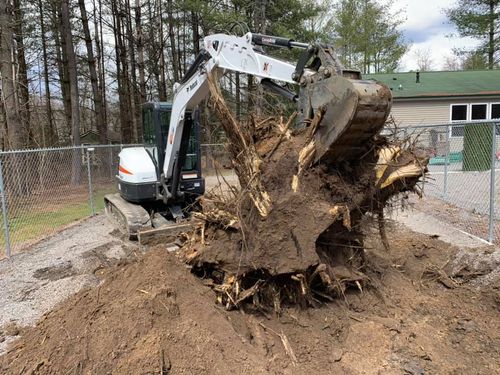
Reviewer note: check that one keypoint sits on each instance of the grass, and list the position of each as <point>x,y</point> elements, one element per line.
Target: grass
<point>37,222</point>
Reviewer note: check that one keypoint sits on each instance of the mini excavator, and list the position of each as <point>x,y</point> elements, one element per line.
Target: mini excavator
<point>157,183</point>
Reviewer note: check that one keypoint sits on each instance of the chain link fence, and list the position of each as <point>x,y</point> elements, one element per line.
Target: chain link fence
<point>45,190</point>
<point>464,172</point>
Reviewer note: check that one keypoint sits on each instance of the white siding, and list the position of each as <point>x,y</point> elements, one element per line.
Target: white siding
<point>429,111</point>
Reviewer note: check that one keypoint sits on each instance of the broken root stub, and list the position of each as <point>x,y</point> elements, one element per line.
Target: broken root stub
<point>293,233</point>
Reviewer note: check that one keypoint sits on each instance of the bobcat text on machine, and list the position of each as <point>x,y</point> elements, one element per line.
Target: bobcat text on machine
<point>158,182</point>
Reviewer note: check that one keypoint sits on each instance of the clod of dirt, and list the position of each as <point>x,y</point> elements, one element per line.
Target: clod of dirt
<point>56,272</point>
<point>479,267</point>
<point>11,329</point>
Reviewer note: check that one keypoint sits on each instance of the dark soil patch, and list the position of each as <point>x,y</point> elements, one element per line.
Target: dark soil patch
<point>56,272</point>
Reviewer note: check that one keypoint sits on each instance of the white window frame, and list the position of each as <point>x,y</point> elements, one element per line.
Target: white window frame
<point>467,117</point>
<point>491,110</point>
<point>488,112</point>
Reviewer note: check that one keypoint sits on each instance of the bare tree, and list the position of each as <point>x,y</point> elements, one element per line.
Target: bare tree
<point>22,85</point>
<point>122,71</point>
<point>452,63</point>
<point>62,63</point>
<point>423,59</point>
<point>140,50</point>
<point>91,61</point>
<point>16,135</point>
<point>49,136</point>
<point>73,84</point>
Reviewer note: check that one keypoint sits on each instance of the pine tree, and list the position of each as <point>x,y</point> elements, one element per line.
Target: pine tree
<point>366,35</point>
<point>479,19</point>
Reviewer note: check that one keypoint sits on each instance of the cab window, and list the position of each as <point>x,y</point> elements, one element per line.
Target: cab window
<point>191,157</point>
<point>149,134</point>
<point>164,124</point>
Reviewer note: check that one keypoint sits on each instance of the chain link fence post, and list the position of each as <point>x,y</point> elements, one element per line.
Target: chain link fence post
<point>491,227</point>
<point>91,194</point>
<point>5,212</point>
<point>446,161</point>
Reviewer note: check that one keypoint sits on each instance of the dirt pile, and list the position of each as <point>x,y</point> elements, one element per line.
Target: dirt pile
<point>293,232</point>
<point>152,316</point>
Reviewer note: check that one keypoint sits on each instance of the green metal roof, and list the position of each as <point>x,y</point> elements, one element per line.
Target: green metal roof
<point>441,84</point>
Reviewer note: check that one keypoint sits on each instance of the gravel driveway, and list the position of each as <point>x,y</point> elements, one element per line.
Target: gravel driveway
<point>34,281</point>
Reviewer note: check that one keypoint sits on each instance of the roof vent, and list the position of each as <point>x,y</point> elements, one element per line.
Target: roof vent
<point>400,87</point>
<point>417,80</point>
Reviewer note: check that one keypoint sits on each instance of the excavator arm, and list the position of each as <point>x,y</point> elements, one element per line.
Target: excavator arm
<point>220,52</point>
<point>354,109</point>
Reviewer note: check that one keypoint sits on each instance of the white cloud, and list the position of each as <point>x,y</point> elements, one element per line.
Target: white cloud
<point>424,13</point>
<point>439,47</point>
<point>427,28</point>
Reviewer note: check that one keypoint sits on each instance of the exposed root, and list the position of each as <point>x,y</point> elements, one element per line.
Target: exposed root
<point>381,229</point>
<point>292,234</point>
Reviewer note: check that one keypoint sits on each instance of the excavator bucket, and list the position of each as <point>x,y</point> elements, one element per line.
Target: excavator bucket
<point>354,111</point>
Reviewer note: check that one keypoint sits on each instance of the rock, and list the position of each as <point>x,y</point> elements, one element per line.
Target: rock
<point>337,354</point>
<point>11,329</point>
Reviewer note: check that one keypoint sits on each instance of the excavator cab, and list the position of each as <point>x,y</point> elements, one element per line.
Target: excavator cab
<point>156,120</point>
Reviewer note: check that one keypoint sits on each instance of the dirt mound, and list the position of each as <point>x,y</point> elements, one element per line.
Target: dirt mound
<point>152,316</point>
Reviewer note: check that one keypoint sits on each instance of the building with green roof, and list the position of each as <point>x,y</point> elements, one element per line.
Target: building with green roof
<point>442,97</point>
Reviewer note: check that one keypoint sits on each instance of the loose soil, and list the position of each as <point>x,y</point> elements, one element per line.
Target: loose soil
<point>151,315</point>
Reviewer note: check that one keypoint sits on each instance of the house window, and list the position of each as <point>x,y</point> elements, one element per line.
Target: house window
<point>459,112</point>
<point>495,111</point>
<point>457,131</point>
<point>479,112</point>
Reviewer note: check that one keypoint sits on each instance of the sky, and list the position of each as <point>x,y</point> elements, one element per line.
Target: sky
<point>427,28</point>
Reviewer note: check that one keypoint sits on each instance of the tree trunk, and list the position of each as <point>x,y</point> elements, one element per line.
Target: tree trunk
<point>140,56</point>
<point>96,95</point>
<point>50,137</point>
<point>3,122</point>
<point>196,33</point>
<point>140,67</point>
<point>123,76</point>
<point>23,88</point>
<point>491,42</point>
<point>101,60</point>
<point>16,136</point>
<point>260,26</point>
<point>135,98</point>
<point>171,35</point>
<point>162,85</point>
<point>62,65</point>
<point>238,96</point>
<point>73,82</point>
